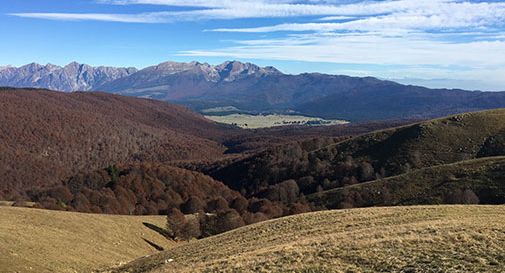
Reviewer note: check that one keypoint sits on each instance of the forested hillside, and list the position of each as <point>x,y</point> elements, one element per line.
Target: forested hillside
<point>317,166</point>
<point>153,189</point>
<point>477,181</point>
<point>47,136</point>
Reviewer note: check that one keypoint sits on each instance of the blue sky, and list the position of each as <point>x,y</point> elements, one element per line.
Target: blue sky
<point>437,43</point>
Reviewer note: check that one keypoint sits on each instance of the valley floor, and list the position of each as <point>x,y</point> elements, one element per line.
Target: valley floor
<point>246,121</point>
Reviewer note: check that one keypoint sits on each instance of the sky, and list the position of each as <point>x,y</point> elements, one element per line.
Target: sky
<point>435,43</point>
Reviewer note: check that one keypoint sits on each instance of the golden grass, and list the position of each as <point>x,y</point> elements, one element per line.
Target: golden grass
<point>392,239</point>
<point>33,240</point>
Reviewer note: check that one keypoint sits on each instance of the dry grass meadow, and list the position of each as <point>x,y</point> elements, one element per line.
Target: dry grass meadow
<point>247,121</point>
<point>456,238</point>
<point>34,240</point>
<point>389,239</point>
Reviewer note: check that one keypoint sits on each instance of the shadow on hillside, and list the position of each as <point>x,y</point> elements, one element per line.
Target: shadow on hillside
<point>156,246</point>
<point>163,232</point>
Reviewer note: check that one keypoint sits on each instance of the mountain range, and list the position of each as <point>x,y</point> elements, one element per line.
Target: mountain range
<point>255,89</point>
<point>71,77</point>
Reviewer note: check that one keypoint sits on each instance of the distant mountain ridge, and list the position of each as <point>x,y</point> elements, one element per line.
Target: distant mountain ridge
<point>180,81</point>
<point>252,88</point>
<point>71,77</point>
<point>228,71</point>
<point>82,77</point>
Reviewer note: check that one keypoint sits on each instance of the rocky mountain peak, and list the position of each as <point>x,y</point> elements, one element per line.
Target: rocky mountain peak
<point>227,71</point>
<point>82,77</point>
<point>72,77</point>
<point>32,67</point>
<point>51,67</point>
<point>234,70</point>
<point>5,67</point>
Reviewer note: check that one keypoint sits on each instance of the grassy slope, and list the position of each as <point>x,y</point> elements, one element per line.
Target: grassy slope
<point>439,141</point>
<point>33,240</point>
<point>485,177</point>
<point>428,239</point>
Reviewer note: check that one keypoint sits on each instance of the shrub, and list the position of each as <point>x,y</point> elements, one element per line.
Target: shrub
<point>61,193</point>
<point>193,205</point>
<point>298,208</point>
<point>176,223</point>
<point>459,196</point>
<point>469,197</point>
<point>239,204</point>
<point>192,228</point>
<point>114,175</point>
<point>270,209</point>
<point>286,192</point>
<point>251,218</point>
<point>228,220</point>
<point>218,204</point>
<point>366,171</point>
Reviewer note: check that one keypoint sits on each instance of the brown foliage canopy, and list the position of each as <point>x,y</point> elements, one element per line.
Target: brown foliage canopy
<point>154,188</point>
<point>47,136</point>
<point>136,189</point>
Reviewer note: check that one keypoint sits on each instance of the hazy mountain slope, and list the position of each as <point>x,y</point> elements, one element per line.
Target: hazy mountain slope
<point>72,77</point>
<point>46,136</point>
<point>364,158</point>
<point>392,101</point>
<point>252,88</point>
<point>34,240</point>
<point>399,239</point>
<point>203,86</point>
<point>243,85</point>
<point>473,181</point>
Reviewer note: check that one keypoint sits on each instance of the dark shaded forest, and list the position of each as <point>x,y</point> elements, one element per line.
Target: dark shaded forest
<point>144,189</point>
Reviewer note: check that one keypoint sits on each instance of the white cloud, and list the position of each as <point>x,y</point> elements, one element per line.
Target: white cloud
<point>217,10</point>
<point>228,9</point>
<point>265,8</point>
<point>439,15</point>
<point>189,3</point>
<point>404,58</point>
<point>368,49</point>
<point>441,33</point>
<point>392,15</point>
<point>122,18</point>
<point>391,12</point>
<point>336,18</point>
